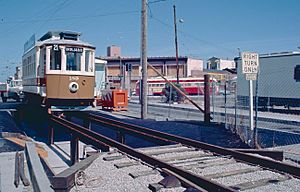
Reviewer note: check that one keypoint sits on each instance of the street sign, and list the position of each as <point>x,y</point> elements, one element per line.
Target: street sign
<point>250,62</point>
<point>251,76</point>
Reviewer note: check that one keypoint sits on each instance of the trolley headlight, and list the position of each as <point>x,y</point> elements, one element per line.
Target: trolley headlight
<point>73,86</point>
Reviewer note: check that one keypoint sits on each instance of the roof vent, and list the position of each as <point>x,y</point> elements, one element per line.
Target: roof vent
<point>69,36</point>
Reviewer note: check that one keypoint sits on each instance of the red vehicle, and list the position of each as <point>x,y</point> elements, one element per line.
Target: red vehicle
<point>191,85</point>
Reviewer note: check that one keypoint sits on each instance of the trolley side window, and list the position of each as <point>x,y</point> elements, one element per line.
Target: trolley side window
<point>55,60</point>
<point>88,62</point>
<point>73,61</point>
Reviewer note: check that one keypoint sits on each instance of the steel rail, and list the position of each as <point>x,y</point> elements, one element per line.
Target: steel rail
<point>241,156</point>
<point>276,155</point>
<point>86,134</point>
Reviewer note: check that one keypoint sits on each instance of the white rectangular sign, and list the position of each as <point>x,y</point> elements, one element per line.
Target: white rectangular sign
<point>251,76</point>
<point>250,62</point>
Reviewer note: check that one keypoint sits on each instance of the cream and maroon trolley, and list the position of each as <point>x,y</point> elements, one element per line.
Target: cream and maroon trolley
<point>58,71</point>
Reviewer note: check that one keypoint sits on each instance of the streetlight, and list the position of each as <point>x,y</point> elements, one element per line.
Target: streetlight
<point>176,47</point>
<point>176,44</point>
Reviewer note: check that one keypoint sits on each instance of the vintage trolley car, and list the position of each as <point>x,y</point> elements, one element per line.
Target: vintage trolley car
<point>58,71</point>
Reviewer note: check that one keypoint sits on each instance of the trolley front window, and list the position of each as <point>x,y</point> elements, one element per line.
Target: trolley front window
<point>55,60</point>
<point>73,61</point>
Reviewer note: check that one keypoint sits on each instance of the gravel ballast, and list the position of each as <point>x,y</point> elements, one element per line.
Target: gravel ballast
<point>248,177</point>
<point>104,176</point>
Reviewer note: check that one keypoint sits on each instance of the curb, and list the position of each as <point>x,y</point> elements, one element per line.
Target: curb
<point>39,179</point>
<point>65,180</point>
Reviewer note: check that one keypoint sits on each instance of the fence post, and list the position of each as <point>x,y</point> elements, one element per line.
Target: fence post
<point>206,99</point>
<point>121,136</point>
<point>255,142</point>
<point>225,102</point>
<point>50,134</point>
<point>87,124</point>
<point>235,107</point>
<point>213,97</point>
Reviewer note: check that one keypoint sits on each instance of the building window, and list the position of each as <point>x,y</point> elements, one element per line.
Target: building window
<point>297,73</point>
<point>99,68</point>
<point>73,61</point>
<point>55,60</point>
<point>214,66</point>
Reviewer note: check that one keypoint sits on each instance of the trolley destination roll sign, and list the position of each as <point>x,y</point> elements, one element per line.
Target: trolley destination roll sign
<point>74,49</point>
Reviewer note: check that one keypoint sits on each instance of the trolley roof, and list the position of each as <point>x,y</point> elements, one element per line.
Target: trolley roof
<point>57,37</point>
<point>71,35</point>
<point>63,38</point>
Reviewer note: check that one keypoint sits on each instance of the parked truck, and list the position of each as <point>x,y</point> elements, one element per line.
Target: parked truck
<point>278,80</point>
<point>11,89</point>
<point>4,91</point>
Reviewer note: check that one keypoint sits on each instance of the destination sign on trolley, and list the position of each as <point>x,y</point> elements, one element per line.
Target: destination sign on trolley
<point>74,49</point>
<point>250,62</point>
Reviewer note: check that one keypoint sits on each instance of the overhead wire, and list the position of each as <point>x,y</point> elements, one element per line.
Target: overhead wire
<point>193,37</point>
<point>57,8</point>
<point>182,32</point>
<point>50,12</point>
<point>156,1</point>
<point>20,24</point>
<point>74,18</point>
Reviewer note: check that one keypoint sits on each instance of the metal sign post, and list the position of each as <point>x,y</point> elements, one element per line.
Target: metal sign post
<point>251,105</point>
<point>250,64</point>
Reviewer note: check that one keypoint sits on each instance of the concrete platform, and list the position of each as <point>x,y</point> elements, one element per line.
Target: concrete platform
<point>290,152</point>
<point>59,155</point>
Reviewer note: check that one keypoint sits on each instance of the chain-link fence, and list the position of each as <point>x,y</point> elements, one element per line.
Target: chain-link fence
<point>222,98</point>
<point>276,121</point>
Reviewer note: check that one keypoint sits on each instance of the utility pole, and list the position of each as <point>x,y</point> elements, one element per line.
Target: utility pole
<point>121,75</point>
<point>144,60</point>
<point>176,45</point>
<point>206,99</point>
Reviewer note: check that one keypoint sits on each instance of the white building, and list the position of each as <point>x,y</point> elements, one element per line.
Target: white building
<point>220,64</point>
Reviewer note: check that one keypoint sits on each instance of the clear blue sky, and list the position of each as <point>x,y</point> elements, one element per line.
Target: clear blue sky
<point>210,28</point>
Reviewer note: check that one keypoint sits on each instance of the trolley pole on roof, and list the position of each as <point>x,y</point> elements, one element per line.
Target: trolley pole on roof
<point>144,59</point>
<point>176,44</point>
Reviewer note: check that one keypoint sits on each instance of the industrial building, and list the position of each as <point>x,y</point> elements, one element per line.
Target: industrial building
<point>121,70</point>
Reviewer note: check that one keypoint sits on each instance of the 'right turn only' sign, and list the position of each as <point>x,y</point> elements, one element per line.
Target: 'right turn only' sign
<point>250,62</point>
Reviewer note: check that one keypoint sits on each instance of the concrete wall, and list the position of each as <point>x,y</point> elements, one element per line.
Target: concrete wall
<point>192,65</point>
<point>226,64</point>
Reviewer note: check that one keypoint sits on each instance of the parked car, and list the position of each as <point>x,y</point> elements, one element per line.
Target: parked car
<point>223,92</point>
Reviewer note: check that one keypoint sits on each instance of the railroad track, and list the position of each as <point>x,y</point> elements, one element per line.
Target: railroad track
<point>196,164</point>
